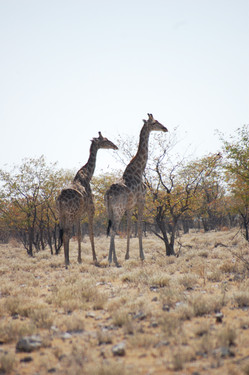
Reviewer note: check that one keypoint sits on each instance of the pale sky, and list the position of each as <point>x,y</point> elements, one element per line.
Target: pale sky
<point>69,69</point>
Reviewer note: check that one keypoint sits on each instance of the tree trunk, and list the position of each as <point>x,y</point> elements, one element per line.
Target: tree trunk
<point>185,226</point>
<point>169,245</point>
<point>30,241</point>
<point>57,238</point>
<point>246,226</point>
<point>169,249</point>
<point>49,240</point>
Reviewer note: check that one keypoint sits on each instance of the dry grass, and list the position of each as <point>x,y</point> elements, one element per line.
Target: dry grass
<point>163,309</point>
<point>7,362</point>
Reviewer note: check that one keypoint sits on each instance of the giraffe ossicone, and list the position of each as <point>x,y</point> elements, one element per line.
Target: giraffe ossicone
<point>76,200</point>
<point>129,192</point>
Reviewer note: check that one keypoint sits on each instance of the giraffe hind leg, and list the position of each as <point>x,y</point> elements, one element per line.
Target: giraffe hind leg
<point>66,248</point>
<point>91,235</point>
<point>127,255</point>
<point>114,222</point>
<point>79,242</point>
<point>112,246</point>
<point>112,251</point>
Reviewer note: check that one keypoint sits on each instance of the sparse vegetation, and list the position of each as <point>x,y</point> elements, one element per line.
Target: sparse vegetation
<point>163,309</point>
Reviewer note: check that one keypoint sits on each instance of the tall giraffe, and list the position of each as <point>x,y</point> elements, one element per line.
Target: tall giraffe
<point>76,200</point>
<point>130,191</point>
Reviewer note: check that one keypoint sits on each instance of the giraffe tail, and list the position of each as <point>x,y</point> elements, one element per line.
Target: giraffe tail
<point>109,227</point>
<point>109,211</point>
<point>61,231</point>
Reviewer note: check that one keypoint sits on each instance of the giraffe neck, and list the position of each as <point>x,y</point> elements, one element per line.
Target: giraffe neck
<point>138,163</point>
<point>85,173</point>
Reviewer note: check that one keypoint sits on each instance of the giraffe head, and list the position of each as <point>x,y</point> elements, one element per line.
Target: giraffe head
<point>154,125</point>
<point>102,142</point>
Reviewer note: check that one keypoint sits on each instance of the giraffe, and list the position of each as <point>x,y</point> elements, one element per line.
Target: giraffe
<point>129,192</point>
<point>76,200</point>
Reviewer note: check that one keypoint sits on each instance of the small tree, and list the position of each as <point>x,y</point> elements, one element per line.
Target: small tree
<point>174,188</point>
<point>236,152</point>
<point>27,200</point>
<point>209,199</point>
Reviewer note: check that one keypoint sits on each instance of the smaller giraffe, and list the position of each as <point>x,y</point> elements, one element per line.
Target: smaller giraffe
<point>76,200</point>
<point>129,192</point>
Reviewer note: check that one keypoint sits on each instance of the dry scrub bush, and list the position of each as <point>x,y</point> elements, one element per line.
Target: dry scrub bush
<point>4,269</point>
<point>203,253</point>
<point>205,304</point>
<point>13,305</point>
<point>129,327</point>
<point>105,368</point>
<point>226,336</point>
<point>42,317</point>
<point>205,345</point>
<point>7,362</point>
<point>170,323</point>
<point>12,330</point>
<point>147,276</point>
<point>121,317</point>
<point>143,340</point>
<point>25,308</point>
<point>71,323</point>
<point>241,298</point>
<point>178,361</point>
<point>104,337</point>
<point>214,276</point>
<point>202,329</point>
<point>137,276</point>
<point>99,301</point>
<point>189,281</point>
<point>77,294</point>
<point>228,267</point>
<point>171,295</point>
<point>245,368</point>
<point>184,311</point>
<point>181,356</point>
<point>74,363</point>
<point>114,304</point>
<point>160,279</point>
<point>6,287</point>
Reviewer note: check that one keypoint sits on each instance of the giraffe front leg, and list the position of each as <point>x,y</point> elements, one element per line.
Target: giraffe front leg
<point>127,255</point>
<point>114,225</point>
<point>79,242</point>
<point>140,216</point>
<point>66,248</point>
<point>91,235</point>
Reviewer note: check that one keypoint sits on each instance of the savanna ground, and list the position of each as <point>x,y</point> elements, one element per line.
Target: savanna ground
<point>162,311</point>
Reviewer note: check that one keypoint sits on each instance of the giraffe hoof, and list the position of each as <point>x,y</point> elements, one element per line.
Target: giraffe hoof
<point>79,261</point>
<point>117,265</point>
<point>127,257</point>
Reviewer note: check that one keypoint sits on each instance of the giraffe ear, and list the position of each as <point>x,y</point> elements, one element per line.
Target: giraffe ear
<point>144,121</point>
